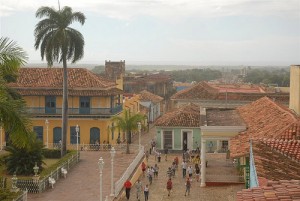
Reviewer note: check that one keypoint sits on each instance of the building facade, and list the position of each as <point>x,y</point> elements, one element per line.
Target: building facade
<point>92,102</point>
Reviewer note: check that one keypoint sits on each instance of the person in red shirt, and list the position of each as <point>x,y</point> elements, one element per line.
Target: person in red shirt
<point>169,186</point>
<point>127,186</point>
<point>143,168</point>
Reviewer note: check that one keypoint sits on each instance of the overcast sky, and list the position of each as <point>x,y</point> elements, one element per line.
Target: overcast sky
<point>197,32</point>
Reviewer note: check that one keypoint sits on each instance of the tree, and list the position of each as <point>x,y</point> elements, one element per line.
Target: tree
<point>13,115</point>
<point>127,124</point>
<point>61,43</point>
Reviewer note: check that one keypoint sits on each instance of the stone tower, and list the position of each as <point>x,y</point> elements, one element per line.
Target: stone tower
<point>115,70</point>
<point>295,88</point>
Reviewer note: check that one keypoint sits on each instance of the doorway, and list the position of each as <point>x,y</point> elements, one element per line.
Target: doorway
<point>184,140</point>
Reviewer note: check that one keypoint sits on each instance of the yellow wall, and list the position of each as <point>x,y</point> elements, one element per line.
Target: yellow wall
<point>84,124</point>
<point>132,104</point>
<point>295,88</point>
<point>218,134</point>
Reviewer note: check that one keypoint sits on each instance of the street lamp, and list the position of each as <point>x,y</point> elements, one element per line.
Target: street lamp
<point>101,165</point>
<point>77,131</point>
<point>112,153</point>
<point>139,128</point>
<point>0,137</point>
<point>47,131</point>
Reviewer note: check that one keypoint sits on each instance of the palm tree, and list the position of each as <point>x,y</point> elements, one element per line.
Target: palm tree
<point>13,117</point>
<point>61,43</point>
<point>128,123</point>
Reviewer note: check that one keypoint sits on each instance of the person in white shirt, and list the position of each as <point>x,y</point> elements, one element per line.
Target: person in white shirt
<point>190,172</point>
<point>184,166</point>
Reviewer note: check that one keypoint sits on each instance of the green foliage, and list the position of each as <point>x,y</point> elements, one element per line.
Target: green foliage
<point>6,195</point>
<point>63,160</point>
<point>22,160</point>
<point>280,77</point>
<point>197,75</point>
<point>51,153</point>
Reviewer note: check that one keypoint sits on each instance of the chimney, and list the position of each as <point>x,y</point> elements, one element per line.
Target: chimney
<point>295,88</point>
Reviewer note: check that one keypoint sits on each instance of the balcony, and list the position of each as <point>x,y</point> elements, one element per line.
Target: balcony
<point>75,111</point>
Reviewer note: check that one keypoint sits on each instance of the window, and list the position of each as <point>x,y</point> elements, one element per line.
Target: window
<point>225,145</point>
<point>73,135</point>
<point>50,104</point>
<point>39,132</point>
<point>84,104</point>
<point>168,139</point>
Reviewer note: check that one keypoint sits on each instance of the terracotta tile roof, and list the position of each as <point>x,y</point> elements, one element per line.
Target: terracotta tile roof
<point>206,91</point>
<point>277,159</point>
<point>264,118</point>
<point>292,132</point>
<point>202,90</point>
<point>243,88</point>
<point>289,148</point>
<point>185,116</point>
<point>148,96</point>
<point>282,190</point>
<point>53,78</point>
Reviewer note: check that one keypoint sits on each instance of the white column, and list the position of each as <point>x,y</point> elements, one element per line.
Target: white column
<point>218,145</point>
<point>203,162</point>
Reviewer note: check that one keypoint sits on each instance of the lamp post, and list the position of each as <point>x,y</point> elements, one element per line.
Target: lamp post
<point>47,131</point>
<point>112,154</point>
<point>101,165</point>
<point>0,137</point>
<point>77,131</point>
<point>36,169</point>
<point>139,128</point>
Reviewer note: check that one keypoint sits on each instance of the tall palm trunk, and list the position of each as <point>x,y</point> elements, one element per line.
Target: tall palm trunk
<point>64,108</point>
<point>127,142</point>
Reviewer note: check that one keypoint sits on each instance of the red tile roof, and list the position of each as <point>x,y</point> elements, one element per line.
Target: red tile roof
<point>276,159</point>
<point>264,118</point>
<point>292,132</point>
<point>53,78</point>
<point>49,81</point>
<point>185,116</point>
<point>148,96</point>
<point>206,91</point>
<point>282,190</point>
<point>202,90</point>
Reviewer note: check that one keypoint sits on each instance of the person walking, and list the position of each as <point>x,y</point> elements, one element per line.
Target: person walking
<point>184,166</point>
<point>138,187</point>
<point>169,186</point>
<point>147,155</point>
<point>143,166</point>
<point>197,171</point>
<point>187,186</point>
<point>169,173</point>
<point>190,172</point>
<point>150,174</point>
<point>127,186</point>
<point>156,168</point>
<point>146,192</point>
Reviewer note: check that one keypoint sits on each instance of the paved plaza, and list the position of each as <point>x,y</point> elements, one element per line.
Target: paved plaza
<point>82,183</point>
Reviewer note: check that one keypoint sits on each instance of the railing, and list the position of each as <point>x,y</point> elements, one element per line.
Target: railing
<point>40,185</point>
<point>76,111</point>
<point>253,174</point>
<point>22,197</point>
<point>91,147</point>
<point>129,171</point>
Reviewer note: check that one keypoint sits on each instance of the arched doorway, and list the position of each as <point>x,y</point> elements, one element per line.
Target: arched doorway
<point>94,135</point>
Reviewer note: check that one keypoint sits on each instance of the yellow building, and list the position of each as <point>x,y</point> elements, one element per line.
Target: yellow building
<point>92,102</point>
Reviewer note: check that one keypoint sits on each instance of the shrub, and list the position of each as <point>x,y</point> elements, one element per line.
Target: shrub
<point>22,160</point>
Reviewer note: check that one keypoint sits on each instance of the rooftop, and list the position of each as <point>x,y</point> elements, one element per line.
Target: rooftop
<point>264,118</point>
<point>185,116</point>
<point>287,190</point>
<point>148,96</point>
<point>223,117</point>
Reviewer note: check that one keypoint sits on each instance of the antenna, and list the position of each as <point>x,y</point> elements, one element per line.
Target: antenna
<point>58,5</point>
